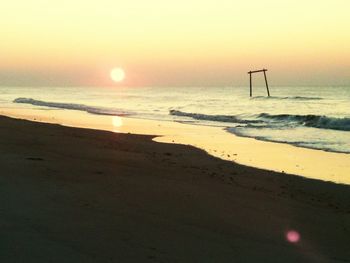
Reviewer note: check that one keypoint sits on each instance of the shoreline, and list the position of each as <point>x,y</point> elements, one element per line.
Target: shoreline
<point>216,141</point>
<point>292,144</point>
<point>73,195</point>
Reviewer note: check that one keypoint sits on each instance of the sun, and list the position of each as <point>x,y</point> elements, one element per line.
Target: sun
<point>117,74</point>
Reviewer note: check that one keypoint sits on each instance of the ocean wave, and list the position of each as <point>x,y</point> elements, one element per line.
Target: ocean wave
<point>315,121</point>
<point>73,106</point>
<point>206,117</point>
<point>301,98</point>
<point>278,121</point>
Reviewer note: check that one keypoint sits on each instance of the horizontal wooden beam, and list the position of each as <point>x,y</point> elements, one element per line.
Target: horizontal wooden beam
<point>256,71</point>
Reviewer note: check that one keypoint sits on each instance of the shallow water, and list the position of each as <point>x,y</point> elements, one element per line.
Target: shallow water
<point>313,117</point>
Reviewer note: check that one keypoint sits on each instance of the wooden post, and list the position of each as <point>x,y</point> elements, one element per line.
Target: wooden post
<point>251,87</point>
<point>267,85</point>
<point>251,82</point>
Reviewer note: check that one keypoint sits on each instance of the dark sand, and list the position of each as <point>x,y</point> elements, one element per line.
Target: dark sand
<point>78,195</point>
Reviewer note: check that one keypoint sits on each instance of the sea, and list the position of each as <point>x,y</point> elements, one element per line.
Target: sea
<point>310,117</point>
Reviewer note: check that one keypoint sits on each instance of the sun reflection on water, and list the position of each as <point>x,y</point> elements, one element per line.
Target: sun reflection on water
<point>117,123</point>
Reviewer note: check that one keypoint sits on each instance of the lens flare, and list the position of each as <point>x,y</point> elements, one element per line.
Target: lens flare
<point>293,236</point>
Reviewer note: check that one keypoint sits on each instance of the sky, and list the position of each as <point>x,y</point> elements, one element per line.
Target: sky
<point>174,43</point>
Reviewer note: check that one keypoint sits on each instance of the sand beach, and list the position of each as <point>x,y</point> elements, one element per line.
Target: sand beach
<point>83,195</point>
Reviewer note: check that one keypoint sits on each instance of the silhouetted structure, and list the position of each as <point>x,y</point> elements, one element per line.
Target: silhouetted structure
<point>251,84</point>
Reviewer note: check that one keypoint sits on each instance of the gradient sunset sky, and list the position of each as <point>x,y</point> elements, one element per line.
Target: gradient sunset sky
<point>181,43</point>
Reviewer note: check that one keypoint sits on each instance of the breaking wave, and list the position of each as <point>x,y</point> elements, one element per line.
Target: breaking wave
<point>300,98</point>
<point>316,121</point>
<point>73,106</point>
<point>218,118</point>
<point>263,120</point>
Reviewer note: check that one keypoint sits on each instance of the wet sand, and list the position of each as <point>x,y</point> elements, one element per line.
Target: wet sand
<point>82,195</point>
<point>279,157</point>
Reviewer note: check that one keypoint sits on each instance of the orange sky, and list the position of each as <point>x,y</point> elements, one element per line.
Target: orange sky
<point>182,43</point>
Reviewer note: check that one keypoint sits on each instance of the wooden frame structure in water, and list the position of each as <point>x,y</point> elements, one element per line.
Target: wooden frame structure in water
<point>251,83</point>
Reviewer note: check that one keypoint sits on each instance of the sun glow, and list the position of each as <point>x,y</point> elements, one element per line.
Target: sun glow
<point>183,43</point>
<point>117,123</point>
<point>117,74</point>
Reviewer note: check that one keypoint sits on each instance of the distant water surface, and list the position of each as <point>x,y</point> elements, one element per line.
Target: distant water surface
<point>312,117</point>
